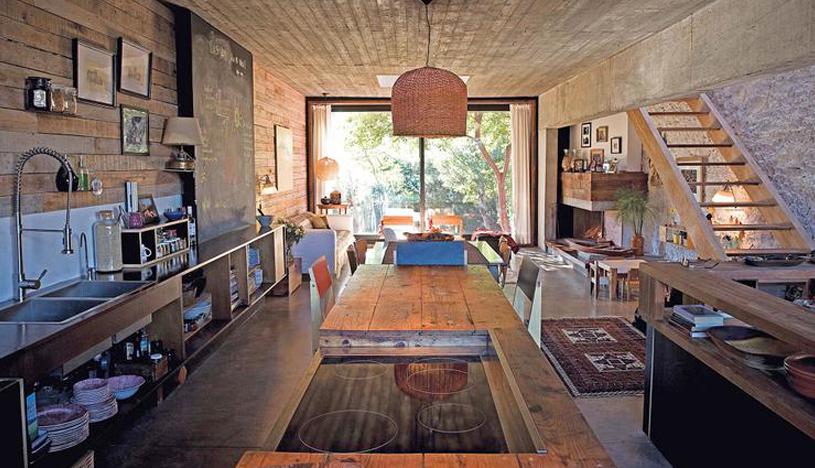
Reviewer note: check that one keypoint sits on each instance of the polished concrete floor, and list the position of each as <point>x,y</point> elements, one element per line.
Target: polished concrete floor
<point>230,403</point>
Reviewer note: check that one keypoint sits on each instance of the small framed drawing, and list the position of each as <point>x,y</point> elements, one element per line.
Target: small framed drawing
<point>617,145</point>
<point>148,210</point>
<point>94,74</point>
<point>134,69</point>
<point>602,134</point>
<point>597,159</point>
<point>135,130</point>
<point>585,135</point>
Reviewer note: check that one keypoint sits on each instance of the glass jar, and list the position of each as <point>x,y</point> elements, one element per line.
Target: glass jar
<point>107,243</point>
<point>37,93</point>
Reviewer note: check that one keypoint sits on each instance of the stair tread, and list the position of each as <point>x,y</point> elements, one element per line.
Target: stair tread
<point>712,163</point>
<point>699,145</point>
<point>738,252</point>
<point>753,227</point>
<point>687,129</point>
<point>677,112</point>
<point>738,204</point>
<point>725,182</point>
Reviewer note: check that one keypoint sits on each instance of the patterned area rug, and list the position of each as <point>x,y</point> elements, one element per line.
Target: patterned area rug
<point>596,356</point>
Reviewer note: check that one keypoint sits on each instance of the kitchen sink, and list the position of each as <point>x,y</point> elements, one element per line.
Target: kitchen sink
<point>40,310</point>
<point>97,289</point>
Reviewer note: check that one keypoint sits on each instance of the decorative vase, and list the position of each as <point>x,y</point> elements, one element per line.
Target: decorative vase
<point>336,197</point>
<point>637,245</point>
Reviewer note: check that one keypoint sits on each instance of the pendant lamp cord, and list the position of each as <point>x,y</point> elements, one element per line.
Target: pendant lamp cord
<point>427,20</point>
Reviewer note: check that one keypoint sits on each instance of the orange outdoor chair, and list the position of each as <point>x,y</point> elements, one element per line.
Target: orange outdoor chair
<point>455,221</point>
<point>322,297</point>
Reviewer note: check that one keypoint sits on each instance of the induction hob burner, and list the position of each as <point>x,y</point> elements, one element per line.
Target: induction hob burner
<point>364,431</point>
<point>439,381</point>
<point>451,418</point>
<point>360,369</point>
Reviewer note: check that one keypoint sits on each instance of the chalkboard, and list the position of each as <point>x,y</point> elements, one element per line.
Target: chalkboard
<point>215,85</point>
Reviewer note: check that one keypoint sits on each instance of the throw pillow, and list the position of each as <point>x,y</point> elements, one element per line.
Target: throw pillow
<point>318,221</point>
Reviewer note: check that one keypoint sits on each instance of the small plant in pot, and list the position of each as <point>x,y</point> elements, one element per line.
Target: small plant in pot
<point>632,208</point>
<point>294,234</point>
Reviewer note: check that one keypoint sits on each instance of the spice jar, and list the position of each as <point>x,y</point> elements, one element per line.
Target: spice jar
<point>107,243</point>
<point>37,93</point>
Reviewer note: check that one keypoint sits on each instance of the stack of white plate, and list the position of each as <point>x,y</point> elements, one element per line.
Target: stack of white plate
<point>95,396</point>
<point>67,425</point>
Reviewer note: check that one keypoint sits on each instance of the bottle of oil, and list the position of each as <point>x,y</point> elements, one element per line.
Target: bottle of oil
<point>84,176</point>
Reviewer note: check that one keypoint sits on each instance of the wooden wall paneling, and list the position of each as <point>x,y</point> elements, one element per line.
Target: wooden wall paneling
<point>36,41</point>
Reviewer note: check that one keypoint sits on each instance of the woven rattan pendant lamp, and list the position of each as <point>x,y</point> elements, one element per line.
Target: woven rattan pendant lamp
<point>429,102</point>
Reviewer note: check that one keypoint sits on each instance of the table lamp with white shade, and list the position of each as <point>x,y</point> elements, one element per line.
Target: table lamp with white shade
<point>181,131</point>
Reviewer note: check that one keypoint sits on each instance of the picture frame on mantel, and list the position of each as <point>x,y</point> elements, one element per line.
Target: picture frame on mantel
<point>94,73</point>
<point>134,69</point>
<point>135,130</point>
<point>284,158</point>
<point>585,135</point>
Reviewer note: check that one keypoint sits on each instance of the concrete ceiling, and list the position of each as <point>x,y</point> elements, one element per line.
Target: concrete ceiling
<point>507,47</point>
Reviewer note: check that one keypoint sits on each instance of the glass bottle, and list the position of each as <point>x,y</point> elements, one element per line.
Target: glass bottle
<point>107,243</point>
<point>84,176</point>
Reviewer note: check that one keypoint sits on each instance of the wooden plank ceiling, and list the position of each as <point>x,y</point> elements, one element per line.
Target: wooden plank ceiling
<point>508,47</point>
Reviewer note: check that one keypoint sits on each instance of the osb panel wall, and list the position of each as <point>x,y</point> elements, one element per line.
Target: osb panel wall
<point>36,41</point>
<point>277,103</point>
<point>774,116</point>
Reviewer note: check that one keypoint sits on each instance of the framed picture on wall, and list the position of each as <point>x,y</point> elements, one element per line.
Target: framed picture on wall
<point>135,130</point>
<point>134,67</point>
<point>585,135</point>
<point>617,145</point>
<point>602,134</point>
<point>94,73</point>
<point>284,159</point>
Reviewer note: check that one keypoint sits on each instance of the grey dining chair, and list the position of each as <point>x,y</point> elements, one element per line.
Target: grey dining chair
<point>525,287</point>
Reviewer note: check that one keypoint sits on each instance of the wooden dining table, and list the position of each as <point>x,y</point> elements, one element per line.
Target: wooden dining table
<point>427,309</point>
<point>613,268</point>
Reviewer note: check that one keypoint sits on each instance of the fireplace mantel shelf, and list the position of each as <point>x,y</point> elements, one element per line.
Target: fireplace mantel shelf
<point>594,191</point>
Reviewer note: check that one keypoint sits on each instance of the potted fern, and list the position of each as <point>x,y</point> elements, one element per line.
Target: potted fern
<point>632,208</point>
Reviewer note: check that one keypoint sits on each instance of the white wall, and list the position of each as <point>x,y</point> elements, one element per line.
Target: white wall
<point>42,250</point>
<point>631,157</point>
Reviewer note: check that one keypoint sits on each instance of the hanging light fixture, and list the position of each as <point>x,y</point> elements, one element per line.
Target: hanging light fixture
<point>326,168</point>
<point>725,195</point>
<point>429,102</point>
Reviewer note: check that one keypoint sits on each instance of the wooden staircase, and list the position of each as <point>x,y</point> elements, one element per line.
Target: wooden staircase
<point>700,120</point>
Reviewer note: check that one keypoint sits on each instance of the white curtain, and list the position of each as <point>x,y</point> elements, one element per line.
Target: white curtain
<point>320,124</point>
<point>521,133</point>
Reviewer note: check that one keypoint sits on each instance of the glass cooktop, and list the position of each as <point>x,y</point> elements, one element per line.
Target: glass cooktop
<point>396,405</point>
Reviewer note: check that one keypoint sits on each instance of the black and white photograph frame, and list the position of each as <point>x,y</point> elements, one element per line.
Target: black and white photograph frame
<point>617,145</point>
<point>94,73</point>
<point>135,130</point>
<point>134,69</point>
<point>585,135</point>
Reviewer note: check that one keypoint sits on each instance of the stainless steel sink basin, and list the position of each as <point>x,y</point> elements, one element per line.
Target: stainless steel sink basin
<point>97,289</point>
<point>40,310</point>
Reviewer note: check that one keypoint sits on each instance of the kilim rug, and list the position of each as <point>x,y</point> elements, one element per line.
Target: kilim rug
<point>596,356</point>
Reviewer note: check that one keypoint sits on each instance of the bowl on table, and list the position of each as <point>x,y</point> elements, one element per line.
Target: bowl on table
<point>174,215</point>
<point>265,221</point>
<point>801,373</point>
<point>125,386</point>
<point>753,347</point>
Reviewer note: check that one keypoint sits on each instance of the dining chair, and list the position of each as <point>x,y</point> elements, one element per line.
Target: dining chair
<point>430,253</point>
<point>353,262</point>
<point>525,287</point>
<point>322,297</point>
<point>506,255</point>
<point>390,235</point>
<point>536,313</point>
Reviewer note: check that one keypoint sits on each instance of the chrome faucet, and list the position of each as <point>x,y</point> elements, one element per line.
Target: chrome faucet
<point>23,283</point>
<point>86,268</point>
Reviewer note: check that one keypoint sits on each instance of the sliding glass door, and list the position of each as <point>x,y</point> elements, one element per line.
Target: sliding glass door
<point>467,183</point>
